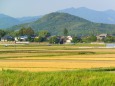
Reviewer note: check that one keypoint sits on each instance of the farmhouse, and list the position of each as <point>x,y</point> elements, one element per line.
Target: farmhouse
<point>21,38</point>
<point>7,38</point>
<point>101,36</point>
<point>69,39</point>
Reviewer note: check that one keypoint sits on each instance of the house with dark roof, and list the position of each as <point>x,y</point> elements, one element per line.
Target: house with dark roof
<point>7,38</point>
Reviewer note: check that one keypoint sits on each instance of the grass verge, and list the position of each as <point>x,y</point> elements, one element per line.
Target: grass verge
<point>62,78</point>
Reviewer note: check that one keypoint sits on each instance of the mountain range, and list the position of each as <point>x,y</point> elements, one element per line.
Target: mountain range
<point>56,22</point>
<point>7,21</point>
<point>107,16</point>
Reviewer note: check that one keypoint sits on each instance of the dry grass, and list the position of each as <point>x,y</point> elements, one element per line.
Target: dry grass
<point>34,66</point>
<point>53,58</point>
<point>102,57</point>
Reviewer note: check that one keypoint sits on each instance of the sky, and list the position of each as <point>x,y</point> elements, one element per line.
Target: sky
<point>23,8</point>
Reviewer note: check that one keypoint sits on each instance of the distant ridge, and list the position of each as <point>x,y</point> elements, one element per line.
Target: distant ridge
<point>28,19</point>
<point>107,17</point>
<point>7,21</point>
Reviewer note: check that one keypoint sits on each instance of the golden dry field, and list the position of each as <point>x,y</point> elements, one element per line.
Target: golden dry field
<point>55,57</point>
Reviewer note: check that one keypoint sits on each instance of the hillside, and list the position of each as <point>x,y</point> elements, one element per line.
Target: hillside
<point>7,21</point>
<point>28,19</point>
<point>56,22</point>
<point>92,15</point>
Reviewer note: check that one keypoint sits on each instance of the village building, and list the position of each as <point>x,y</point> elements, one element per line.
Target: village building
<point>21,38</point>
<point>7,38</point>
<point>101,36</point>
<point>69,39</point>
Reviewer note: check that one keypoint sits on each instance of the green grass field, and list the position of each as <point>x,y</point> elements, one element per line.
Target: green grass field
<point>64,78</point>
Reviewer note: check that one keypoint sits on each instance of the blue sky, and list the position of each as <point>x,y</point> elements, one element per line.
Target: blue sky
<point>21,8</point>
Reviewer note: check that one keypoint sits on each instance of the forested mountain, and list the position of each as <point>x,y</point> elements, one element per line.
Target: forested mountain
<point>92,15</point>
<point>56,22</point>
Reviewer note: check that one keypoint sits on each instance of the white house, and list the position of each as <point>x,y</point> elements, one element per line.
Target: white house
<point>21,38</point>
<point>69,39</point>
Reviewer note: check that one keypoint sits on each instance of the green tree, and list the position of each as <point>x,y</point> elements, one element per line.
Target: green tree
<point>89,39</point>
<point>29,31</point>
<point>76,39</point>
<point>39,39</point>
<point>65,32</point>
<point>30,39</point>
<point>109,39</point>
<point>14,33</point>
<point>54,40</point>
<point>35,39</point>
<point>44,33</point>
<point>93,38</point>
<point>26,31</point>
<point>22,31</point>
<point>2,33</point>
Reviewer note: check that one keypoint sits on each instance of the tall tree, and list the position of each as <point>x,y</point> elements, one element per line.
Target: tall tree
<point>26,31</point>
<point>22,31</point>
<point>29,31</point>
<point>65,32</point>
<point>2,33</point>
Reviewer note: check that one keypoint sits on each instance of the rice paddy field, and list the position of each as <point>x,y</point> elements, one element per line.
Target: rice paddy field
<point>57,65</point>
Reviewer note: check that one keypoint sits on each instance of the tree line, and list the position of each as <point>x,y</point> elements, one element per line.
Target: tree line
<point>45,36</point>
